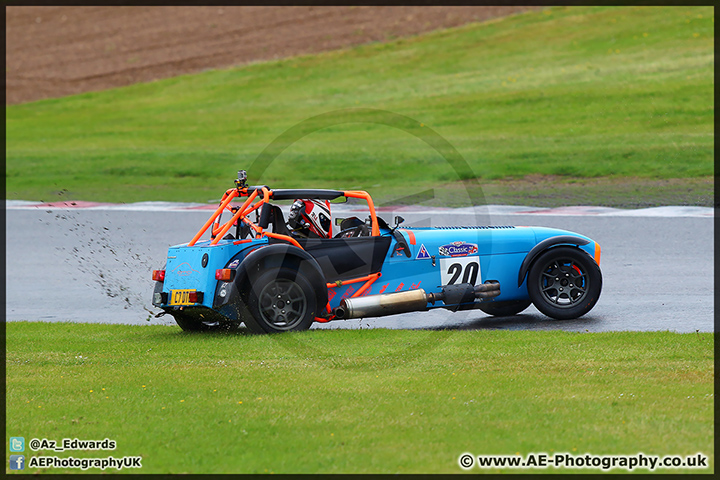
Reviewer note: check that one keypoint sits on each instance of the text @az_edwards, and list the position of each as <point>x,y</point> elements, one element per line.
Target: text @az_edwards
<point>567,460</point>
<point>71,444</point>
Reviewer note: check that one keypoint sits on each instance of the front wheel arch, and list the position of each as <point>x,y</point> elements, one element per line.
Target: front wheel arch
<point>543,246</point>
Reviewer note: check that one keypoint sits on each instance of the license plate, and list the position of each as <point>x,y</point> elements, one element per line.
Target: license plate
<point>180,297</point>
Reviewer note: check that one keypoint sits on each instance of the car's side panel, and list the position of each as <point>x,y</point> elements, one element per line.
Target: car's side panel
<point>503,269</point>
<point>491,240</point>
<point>345,258</point>
<point>497,256</point>
<point>458,252</point>
<point>185,270</point>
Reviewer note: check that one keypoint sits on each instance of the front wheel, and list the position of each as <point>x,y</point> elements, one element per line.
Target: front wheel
<point>564,283</point>
<point>281,300</point>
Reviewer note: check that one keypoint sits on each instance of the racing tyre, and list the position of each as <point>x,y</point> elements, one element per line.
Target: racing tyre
<point>281,300</point>
<point>197,323</point>
<point>504,309</point>
<point>564,283</point>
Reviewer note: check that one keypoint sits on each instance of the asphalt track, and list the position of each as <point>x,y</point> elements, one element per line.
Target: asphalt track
<point>94,264</point>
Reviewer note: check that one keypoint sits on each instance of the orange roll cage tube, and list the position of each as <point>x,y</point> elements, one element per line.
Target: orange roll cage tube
<point>232,193</point>
<point>368,279</point>
<point>256,229</point>
<point>366,196</point>
<point>238,214</point>
<point>283,237</point>
<point>218,232</point>
<point>217,228</point>
<point>242,212</point>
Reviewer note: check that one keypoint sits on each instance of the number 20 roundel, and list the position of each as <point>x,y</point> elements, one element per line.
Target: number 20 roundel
<point>460,270</point>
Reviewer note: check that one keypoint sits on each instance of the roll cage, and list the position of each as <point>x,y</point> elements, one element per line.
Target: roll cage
<point>261,195</point>
<point>256,198</point>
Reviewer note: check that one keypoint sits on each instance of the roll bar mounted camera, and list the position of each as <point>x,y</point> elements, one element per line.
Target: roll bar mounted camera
<point>241,180</point>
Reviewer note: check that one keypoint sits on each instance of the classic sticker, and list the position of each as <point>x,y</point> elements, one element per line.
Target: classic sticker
<point>234,263</point>
<point>457,249</point>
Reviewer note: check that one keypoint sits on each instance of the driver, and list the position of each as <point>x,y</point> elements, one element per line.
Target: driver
<point>310,218</point>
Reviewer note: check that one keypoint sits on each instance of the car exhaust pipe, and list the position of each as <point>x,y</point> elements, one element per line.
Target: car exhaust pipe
<point>453,297</point>
<point>381,305</point>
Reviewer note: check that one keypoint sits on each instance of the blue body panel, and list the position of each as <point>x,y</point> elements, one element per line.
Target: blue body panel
<point>438,256</point>
<point>184,268</point>
<point>500,252</point>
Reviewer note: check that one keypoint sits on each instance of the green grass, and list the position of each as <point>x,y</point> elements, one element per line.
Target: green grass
<point>357,401</point>
<point>575,92</point>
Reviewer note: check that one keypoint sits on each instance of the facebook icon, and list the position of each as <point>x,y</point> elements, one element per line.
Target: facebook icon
<point>17,462</point>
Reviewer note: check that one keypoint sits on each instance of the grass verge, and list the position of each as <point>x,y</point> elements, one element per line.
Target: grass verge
<point>349,401</point>
<point>555,191</point>
<point>570,92</point>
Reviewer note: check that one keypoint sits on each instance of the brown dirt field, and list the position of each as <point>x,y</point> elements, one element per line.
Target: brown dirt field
<point>57,51</point>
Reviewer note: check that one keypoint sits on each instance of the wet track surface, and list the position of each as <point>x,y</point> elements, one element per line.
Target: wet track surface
<point>94,266</point>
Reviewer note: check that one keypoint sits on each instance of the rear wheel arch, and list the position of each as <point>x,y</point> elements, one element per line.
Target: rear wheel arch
<point>286,257</point>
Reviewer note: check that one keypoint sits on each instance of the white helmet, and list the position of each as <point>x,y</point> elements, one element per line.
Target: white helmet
<point>311,215</point>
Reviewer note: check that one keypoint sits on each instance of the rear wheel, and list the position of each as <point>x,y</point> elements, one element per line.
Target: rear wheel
<point>281,300</point>
<point>564,283</point>
<point>504,309</point>
<point>202,322</point>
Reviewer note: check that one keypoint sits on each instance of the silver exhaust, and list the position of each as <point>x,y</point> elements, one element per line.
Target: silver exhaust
<point>381,305</point>
<point>454,297</point>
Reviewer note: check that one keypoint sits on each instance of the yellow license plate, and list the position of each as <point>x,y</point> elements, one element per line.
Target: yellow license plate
<point>180,297</point>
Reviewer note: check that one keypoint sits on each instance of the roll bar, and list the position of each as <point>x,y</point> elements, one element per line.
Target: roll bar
<point>265,193</point>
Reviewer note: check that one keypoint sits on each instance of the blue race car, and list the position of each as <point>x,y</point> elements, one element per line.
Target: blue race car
<point>275,276</point>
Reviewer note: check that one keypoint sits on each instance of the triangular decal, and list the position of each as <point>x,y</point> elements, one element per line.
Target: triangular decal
<point>423,253</point>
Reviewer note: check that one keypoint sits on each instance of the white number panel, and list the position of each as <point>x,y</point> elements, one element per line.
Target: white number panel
<point>460,270</point>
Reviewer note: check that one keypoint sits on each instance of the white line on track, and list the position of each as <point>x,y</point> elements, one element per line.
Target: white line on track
<point>667,211</point>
